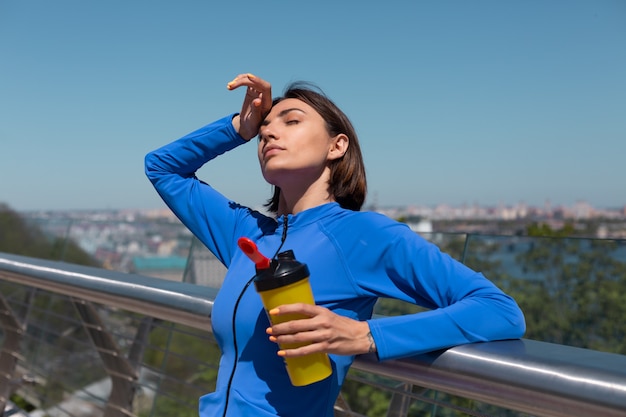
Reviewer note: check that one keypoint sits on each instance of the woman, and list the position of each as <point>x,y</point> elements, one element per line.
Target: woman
<point>309,151</point>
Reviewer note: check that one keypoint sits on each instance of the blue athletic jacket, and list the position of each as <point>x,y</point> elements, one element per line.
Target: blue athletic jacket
<point>353,258</point>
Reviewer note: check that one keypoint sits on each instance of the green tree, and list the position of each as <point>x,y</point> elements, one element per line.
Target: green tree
<point>189,360</point>
<point>578,296</point>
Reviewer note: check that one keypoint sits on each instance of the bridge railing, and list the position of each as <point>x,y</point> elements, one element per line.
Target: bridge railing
<point>84,341</point>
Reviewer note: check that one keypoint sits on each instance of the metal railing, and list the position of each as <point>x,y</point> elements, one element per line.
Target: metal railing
<point>120,316</point>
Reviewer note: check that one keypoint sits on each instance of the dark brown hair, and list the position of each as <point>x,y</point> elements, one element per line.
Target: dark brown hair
<point>347,183</point>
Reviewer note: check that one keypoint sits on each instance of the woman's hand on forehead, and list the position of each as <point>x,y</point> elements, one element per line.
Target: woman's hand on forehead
<point>256,104</point>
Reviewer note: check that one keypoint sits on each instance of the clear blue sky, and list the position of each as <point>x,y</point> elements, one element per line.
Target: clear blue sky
<point>454,101</point>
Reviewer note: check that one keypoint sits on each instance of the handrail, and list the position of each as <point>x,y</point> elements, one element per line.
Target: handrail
<point>539,378</point>
<point>178,302</point>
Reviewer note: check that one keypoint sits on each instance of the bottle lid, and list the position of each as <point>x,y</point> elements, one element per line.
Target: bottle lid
<point>284,270</point>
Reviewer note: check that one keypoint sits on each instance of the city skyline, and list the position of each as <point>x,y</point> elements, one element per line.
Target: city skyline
<point>454,102</point>
<point>370,203</point>
<point>580,209</point>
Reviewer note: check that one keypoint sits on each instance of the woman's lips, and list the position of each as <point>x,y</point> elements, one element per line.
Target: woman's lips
<point>271,150</point>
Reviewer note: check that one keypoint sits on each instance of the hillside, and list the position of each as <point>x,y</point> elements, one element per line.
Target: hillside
<point>21,238</point>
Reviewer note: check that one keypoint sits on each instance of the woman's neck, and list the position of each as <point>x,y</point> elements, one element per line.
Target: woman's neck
<point>296,202</point>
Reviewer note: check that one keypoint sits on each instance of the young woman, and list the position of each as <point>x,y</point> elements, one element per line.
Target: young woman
<point>309,151</point>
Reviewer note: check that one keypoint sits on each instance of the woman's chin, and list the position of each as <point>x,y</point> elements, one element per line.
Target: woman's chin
<point>273,174</point>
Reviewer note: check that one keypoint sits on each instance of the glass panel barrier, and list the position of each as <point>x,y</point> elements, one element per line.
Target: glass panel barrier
<point>572,290</point>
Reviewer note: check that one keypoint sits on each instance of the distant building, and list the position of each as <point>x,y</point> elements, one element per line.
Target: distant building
<point>166,267</point>
<point>422,226</point>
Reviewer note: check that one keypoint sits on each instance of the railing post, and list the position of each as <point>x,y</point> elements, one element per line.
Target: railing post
<point>13,333</point>
<point>123,375</point>
<point>400,402</point>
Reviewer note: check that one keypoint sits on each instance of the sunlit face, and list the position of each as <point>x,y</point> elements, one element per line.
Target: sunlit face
<point>293,143</point>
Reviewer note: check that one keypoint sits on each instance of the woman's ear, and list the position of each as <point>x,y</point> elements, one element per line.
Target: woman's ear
<point>338,146</point>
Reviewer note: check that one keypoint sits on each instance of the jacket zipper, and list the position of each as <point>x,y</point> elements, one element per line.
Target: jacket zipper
<point>232,373</point>
<point>284,235</point>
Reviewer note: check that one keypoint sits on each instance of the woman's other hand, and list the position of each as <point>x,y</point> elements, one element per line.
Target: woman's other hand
<point>256,104</point>
<point>324,330</point>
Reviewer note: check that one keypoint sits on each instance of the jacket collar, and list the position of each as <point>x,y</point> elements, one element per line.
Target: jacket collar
<point>311,215</point>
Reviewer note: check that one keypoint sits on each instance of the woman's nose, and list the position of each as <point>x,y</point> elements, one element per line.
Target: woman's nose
<point>266,133</point>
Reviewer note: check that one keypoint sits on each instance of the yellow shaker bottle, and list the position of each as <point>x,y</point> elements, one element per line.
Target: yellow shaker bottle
<point>286,281</point>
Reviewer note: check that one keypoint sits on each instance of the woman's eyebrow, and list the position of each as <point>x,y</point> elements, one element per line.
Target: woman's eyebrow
<point>282,114</point>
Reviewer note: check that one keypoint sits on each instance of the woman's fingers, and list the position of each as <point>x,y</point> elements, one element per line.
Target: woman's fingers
<point>240,80</point>
<point>322,331</point>
<point>256,86</point>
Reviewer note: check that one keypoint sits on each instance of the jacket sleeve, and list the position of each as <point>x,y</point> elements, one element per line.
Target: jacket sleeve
<point>464,306</point>
<point>204,211</point>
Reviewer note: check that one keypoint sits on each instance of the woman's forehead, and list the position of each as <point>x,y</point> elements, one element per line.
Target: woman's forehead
<point>288,104</point>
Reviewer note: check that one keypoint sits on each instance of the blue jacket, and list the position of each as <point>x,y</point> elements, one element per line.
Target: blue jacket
<point>353,257</point>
